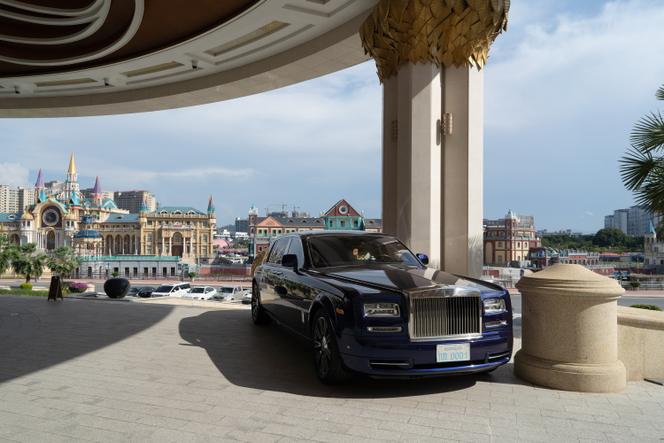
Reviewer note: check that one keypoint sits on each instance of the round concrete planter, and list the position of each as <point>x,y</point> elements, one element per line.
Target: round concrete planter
<point>116,287</point>
<point>569,332</point>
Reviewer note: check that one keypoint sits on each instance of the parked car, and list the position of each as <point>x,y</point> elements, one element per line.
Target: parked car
<point>201,293</point>
<point>172,290</point>
<point>230,293</point>
<point>146,291</point>
<point>371,306</point>
<point>133,291</point>
<point>246,298</point>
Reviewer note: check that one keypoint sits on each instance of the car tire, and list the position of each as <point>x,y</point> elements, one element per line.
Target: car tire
<point>258,314</point>
<point>327,359</point>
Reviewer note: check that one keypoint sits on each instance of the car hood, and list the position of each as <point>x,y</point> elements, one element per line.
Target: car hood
<point>401,278</point>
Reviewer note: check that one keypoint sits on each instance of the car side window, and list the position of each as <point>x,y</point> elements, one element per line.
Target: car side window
<point>278,251</point>
<point>296,248</point>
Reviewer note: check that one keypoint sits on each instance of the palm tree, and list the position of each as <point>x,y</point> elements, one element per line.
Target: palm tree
<point>63,261</point>
<point>27,261</point>
<point>642,168</point>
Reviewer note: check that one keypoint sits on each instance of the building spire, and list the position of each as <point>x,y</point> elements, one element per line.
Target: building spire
<point>210,209</point>
<point>97,189</point>
<point>72,165</point>
<point>40,180</point>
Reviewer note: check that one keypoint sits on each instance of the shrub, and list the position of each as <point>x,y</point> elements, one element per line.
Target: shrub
<point>635,284</point>
<point>26,286</point>
<point>649,307</point>
<point>114,274</point>
<point>77,287</point>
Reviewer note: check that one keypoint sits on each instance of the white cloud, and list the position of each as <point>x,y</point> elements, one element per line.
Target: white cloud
<point>563,91</point>
<point>13,174</point>
<point>577,66</point>
<point>138,177</point>
<point>306,145</point>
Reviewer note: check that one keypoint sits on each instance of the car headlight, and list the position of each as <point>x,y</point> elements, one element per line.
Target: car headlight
<point>494,305</point>
<point>381,310</point>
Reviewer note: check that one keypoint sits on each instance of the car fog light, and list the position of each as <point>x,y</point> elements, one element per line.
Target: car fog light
<point>494,305</point>
<point>495,324</point>
<point>381,310</point>
<point>384,328</point>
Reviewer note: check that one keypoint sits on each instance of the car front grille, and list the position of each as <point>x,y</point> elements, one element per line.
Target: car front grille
<point>445,313</point>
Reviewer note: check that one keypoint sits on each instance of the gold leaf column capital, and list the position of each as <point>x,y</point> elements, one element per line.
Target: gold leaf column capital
<point>444,32</point>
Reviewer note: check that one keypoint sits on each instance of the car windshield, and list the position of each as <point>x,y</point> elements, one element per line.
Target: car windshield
<point>356,250</point>
<point>197,290</point>
<point>164,289</point>
<point>227,290</point>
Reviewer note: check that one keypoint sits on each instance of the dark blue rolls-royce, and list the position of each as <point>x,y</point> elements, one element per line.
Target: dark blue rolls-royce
<point>369,305</point>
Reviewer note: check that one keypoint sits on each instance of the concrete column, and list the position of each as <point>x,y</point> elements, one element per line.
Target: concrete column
<point>462,171</point>
<point>412,158</point>
<point>432,181</point>
<point>570,330</point>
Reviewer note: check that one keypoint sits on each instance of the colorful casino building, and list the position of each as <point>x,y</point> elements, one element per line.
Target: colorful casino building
<point>101,232</point>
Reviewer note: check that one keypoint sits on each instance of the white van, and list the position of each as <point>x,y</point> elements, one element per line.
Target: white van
<point>172,290</point>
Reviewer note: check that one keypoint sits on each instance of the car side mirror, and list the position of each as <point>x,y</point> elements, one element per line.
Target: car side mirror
<point>423,258</point>
<point>290,261</point>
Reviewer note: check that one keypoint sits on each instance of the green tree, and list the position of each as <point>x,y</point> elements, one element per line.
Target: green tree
<point>642,168</point>
<point>27,262</point>
<point>63,261</point>
<point>5,254</point>
<point>610,237</point>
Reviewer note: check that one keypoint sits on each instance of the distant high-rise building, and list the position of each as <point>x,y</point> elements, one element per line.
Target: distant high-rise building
<point>241,225</point>
<point>8,199</point>
<point>14,200</point>
<point>132,200</point>
<point>631,221</point>
<point>54,187</point>
<point>26,197</point>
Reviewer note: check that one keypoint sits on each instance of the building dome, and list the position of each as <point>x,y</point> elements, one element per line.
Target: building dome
<point>87,233</point>
<point>27,216</point>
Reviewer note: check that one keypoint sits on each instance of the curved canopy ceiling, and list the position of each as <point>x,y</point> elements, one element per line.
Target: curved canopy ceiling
<point>86,57</point>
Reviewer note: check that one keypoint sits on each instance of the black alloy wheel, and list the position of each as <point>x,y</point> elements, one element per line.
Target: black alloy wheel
<point>329,366</point>
<point>258,314</point>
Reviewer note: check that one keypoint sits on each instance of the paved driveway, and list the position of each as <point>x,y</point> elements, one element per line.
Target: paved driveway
<point>118,371</point>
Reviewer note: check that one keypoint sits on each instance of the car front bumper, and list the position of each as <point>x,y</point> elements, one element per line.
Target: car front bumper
<point>385,358</point>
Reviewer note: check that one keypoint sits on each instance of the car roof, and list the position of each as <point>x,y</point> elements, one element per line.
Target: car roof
<point>333,233</point>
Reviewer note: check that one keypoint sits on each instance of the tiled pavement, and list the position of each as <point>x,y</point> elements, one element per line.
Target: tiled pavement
<point>122,371</point>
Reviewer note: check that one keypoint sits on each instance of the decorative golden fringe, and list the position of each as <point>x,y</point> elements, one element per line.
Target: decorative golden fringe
<point>258,260</point>
<point>444,32</point>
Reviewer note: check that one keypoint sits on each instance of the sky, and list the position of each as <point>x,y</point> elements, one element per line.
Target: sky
<point>563,88</point>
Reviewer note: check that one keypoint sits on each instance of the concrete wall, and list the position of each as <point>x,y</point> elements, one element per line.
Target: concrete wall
<point>641,342</point>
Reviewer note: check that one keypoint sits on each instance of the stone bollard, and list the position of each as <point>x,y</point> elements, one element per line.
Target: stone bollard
<point>570,330</point>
